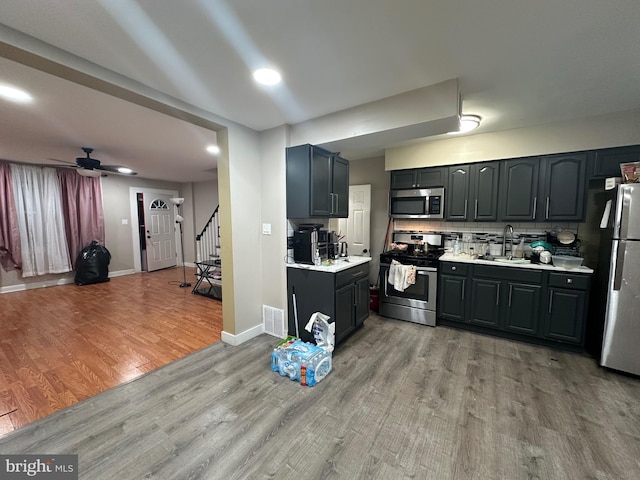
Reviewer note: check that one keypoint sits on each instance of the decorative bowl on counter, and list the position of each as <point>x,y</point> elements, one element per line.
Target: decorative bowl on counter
<point>565,261</point>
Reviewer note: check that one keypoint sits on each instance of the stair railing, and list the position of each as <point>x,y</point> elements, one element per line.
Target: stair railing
<point>208,240</point>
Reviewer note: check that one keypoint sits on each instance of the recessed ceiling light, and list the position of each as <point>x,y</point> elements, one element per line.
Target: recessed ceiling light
<point>467,123</point>
<point>267,76</point>
<point>213,149</point>
<point>14,94</point>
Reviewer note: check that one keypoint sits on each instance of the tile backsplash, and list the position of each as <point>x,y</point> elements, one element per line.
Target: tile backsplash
<point>482,232</point>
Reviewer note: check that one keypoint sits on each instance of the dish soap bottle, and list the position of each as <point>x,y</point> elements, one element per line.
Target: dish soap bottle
<point>519,253</point>
<point>316,259</point>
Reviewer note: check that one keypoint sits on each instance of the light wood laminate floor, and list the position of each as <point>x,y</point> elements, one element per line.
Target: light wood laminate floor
<point>403,401</point>
<point>63,344</point>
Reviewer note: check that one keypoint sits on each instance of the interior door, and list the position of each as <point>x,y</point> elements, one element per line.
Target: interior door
<point>356,227</point>
<point>160,234</point>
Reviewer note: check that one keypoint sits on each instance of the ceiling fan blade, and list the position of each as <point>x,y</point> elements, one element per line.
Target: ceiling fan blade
<point>63,161</point>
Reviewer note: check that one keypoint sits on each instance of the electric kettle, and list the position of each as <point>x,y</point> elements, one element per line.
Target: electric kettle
<point>343,249</point>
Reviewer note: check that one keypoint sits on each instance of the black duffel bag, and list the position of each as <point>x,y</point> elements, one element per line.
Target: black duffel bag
<point>92,264</point>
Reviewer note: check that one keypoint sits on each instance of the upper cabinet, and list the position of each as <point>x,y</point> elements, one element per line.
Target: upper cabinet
<point>606,162</point>
<point>519,189</point>
<point>472,195</point>
<point>550,188</point>
<point>419,178</point>
<point>317,183</point>
<point>457,204</point>
<point>563,187</point>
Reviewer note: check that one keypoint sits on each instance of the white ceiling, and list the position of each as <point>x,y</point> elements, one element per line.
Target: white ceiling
<point>519,63</point>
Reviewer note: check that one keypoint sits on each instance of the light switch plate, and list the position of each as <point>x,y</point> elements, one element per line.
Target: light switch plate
<point>266,229</point>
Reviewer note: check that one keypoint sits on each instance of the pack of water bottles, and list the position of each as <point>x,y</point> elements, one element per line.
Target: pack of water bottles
<point>302,361</point>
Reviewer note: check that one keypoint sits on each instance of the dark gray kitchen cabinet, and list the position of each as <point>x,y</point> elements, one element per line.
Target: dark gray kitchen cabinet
<point>564,187</point>
<point>473,192</point>
<point>505,298</point>
<point>485,179</point>
<point>457,204</point>
<point>522,308</point>
<point>317,183</point>
<point>452,288</point>
<point>519,189</point>
<point>534,305</point>
<point>566,307</point>
<point>606,162</point>
<point>485,302</point>
<point>419,178</point>
<point>343,296</point>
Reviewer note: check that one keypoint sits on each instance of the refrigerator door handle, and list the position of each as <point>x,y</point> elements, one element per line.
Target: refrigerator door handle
<point>617,279</point>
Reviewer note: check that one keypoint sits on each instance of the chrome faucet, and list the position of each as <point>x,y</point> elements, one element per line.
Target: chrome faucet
<point>507,229</point>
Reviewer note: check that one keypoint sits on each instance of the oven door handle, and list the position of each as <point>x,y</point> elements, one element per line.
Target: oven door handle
<point>386,282</point>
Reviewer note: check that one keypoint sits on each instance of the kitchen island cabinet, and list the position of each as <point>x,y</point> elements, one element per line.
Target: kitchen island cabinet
<point>340,291</point>
<point>535,303</point>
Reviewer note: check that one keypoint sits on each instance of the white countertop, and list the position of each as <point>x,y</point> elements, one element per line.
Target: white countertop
<point>464,258</point>
<point>338,265</point>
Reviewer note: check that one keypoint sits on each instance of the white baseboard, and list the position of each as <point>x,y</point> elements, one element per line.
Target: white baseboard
<point>54,282</point>
<point>235,340</point>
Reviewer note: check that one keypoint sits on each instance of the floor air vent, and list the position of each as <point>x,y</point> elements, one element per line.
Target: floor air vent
<point>273,321</point>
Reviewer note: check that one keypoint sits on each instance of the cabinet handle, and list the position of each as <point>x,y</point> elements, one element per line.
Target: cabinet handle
<point>332,209</point>
<point>454,268</point>
<point>355,297</point>
<point>535,206</point>
<point>510,292</point>
<point>463,289</point>
<point>546,213</point>
<point>550,302</point>
<point>498,297</point>
<point>475,214</point>
<point>465,209</point>
<point>569,280</point>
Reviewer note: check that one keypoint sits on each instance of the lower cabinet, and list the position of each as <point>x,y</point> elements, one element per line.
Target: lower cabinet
<point>566,306</point>
<point>344,296</point>
<point>452,291</point>
<point>538,305</point>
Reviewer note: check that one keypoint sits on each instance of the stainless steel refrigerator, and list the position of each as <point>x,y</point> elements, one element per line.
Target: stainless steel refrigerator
<point>621,336</point>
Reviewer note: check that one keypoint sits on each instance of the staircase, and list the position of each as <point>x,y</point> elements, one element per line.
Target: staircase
<point>208,240</point>
<point>208,259</point>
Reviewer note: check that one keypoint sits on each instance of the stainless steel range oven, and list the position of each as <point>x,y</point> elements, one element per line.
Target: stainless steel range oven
<point>417,302</point>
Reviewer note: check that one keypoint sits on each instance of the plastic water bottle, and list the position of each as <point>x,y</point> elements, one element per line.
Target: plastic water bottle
<point>457,247</point>
<point>316,259</point>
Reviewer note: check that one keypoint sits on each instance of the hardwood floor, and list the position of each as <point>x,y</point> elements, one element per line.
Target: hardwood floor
<point>63,344</point>
<point>403,401</point>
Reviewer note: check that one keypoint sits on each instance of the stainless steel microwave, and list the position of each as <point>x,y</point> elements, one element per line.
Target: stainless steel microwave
<point>418,203</point>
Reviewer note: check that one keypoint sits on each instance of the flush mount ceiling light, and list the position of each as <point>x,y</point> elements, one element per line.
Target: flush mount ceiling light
<point>125,170</point>
<point>213,149</point>
<point>467,123</point>
<point>14,94</point>
<point>267,76</point>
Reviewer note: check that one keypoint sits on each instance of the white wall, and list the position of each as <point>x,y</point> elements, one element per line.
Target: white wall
<point>273,211</point>
<point>240,196</point>
<point>617,129</point>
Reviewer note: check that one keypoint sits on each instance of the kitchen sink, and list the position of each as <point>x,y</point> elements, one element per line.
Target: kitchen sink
<point>511,260</point>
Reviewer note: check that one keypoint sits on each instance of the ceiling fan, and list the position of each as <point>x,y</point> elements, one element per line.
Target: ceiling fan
<point>91,167</point>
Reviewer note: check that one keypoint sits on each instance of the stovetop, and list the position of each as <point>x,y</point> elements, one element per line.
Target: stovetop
<point>427,258</point>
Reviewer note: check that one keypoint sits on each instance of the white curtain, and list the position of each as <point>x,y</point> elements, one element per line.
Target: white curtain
<point>39,207</point>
